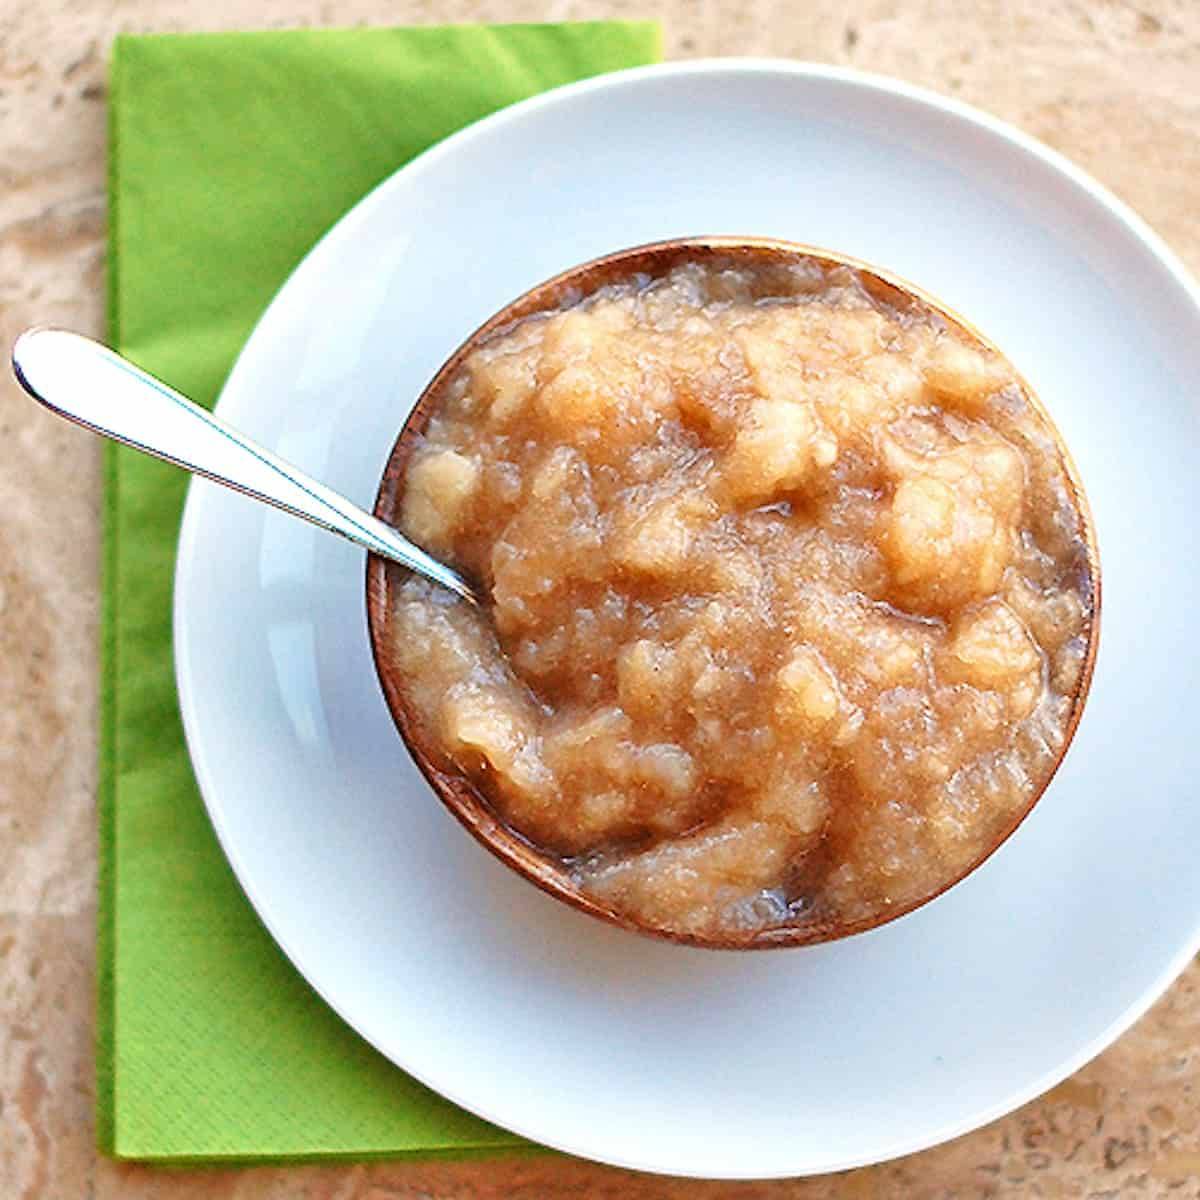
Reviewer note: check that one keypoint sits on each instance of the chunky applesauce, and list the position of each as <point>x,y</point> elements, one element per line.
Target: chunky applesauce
<point>791,595</point>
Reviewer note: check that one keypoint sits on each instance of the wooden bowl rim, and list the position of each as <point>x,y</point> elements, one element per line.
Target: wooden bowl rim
<point>459,796</point>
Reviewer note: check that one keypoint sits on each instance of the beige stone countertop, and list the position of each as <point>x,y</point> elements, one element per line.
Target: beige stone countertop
<point>1112,84</point>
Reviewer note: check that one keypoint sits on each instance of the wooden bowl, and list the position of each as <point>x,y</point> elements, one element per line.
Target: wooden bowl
<point>455,791</point>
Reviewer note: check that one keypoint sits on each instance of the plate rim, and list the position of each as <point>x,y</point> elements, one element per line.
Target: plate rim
<point>885,87</point>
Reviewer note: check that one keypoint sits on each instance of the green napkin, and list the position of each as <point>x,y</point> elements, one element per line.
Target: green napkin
<point>230,155</point>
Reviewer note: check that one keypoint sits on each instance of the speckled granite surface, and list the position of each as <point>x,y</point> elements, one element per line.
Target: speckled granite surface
<point>1114,85</point>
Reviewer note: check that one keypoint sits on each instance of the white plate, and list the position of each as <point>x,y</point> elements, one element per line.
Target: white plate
<point>548,1022</point>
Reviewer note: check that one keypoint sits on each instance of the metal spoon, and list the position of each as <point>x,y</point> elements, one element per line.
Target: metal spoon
<point>89,384</point>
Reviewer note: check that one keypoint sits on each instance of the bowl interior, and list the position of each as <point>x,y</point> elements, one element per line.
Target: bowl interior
<point>458,794</point>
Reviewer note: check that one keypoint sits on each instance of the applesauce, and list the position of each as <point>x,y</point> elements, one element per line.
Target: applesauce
<point>791,594</point>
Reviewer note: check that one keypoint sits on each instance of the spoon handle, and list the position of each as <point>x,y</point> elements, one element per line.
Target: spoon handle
<point>87,383</point>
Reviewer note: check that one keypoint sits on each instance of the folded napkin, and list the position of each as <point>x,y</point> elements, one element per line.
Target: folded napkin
<point>230,155</point>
